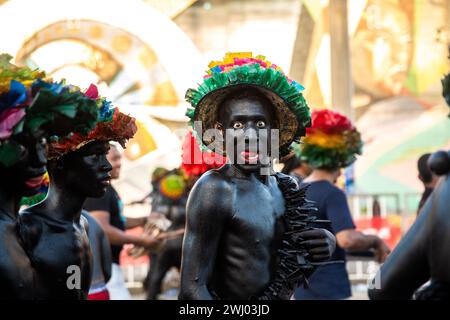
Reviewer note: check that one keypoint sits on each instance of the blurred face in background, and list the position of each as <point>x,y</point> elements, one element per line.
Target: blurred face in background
<point>115,159</point>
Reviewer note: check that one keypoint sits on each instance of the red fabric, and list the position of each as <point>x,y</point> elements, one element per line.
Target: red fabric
<point>102,295</point>
<point>205,160</point>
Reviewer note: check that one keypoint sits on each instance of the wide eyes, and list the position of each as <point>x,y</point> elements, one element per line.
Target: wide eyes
<point>238,125</point>
<point>261,124</point>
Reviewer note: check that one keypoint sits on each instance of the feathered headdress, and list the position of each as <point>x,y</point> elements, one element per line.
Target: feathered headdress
<point>241,69</point>
<point>29,103</point>
<point>331,142</point>
<point>111,125</point>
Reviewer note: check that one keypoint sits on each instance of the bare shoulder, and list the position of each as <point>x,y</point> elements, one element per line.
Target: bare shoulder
<point>214,180</point>
<point>211,195</point>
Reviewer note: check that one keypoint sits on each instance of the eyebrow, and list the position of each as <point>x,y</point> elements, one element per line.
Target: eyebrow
<point>97,149</point>
<point>246,116</point>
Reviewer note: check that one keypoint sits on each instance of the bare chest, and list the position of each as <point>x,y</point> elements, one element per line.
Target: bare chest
<point>257,210</point>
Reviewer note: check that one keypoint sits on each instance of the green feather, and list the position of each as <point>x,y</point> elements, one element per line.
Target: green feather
<point>9,153</point>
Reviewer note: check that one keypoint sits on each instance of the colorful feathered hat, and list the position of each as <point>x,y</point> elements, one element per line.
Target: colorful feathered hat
<point>243,70</point>
<point>29,102</point>
<point>332,141</point>
<point>111,125</point>
<point>173,185</point>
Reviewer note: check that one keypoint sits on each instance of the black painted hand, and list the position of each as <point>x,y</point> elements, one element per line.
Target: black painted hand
<point>320,244</point>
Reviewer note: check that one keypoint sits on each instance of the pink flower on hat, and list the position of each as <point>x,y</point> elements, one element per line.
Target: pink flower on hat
<point>8,120</point>
<point>92,92</point>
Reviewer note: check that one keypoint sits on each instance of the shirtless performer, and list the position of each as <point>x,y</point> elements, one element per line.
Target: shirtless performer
<point>53,231</point>
<point>248,233</point>
<point>31,110</point>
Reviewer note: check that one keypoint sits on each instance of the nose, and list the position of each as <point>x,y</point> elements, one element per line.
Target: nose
<point>40,158</point>
<point>106,166</point>
<point>251,135</point>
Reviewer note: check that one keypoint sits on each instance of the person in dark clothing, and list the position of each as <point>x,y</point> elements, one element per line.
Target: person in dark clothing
<point>331,143</point>
<point>112,203</point>
<point>428,178</point>
<point>108,212</point>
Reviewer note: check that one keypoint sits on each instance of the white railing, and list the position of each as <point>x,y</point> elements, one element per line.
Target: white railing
<point>366,205</point>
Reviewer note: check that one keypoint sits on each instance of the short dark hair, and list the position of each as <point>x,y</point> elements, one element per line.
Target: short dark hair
<point>425,173</point>
<point>291,164</point>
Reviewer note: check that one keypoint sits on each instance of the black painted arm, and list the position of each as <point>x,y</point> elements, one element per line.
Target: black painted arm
<point>106,257</point>
<point>406,268</point>
<point>207,210</point>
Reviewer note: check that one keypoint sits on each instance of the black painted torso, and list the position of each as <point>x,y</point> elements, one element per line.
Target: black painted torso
<point>45,238</point>
<point>250,241</point>
<point>249,229</point>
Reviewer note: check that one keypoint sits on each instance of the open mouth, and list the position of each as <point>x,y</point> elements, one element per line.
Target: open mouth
<point>35,182</point>
<point>249,156</point>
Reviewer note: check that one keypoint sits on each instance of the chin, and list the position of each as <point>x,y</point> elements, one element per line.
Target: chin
<point>249,167</point>
<point>97,193</point>
<point>114,174</point>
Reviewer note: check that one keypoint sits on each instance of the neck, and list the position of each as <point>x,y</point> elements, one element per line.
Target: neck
<point>9,202</point>
<point>238,172</point>
<point>319,174</point>
<point>429,185</point>
<point>62,203</point>
<point>432,183</point>
<point>300,173</point>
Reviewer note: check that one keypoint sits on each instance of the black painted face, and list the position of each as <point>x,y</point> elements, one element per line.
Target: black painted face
<point>247,121</point>
<point>87,171</point>
<point>25,176</point>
